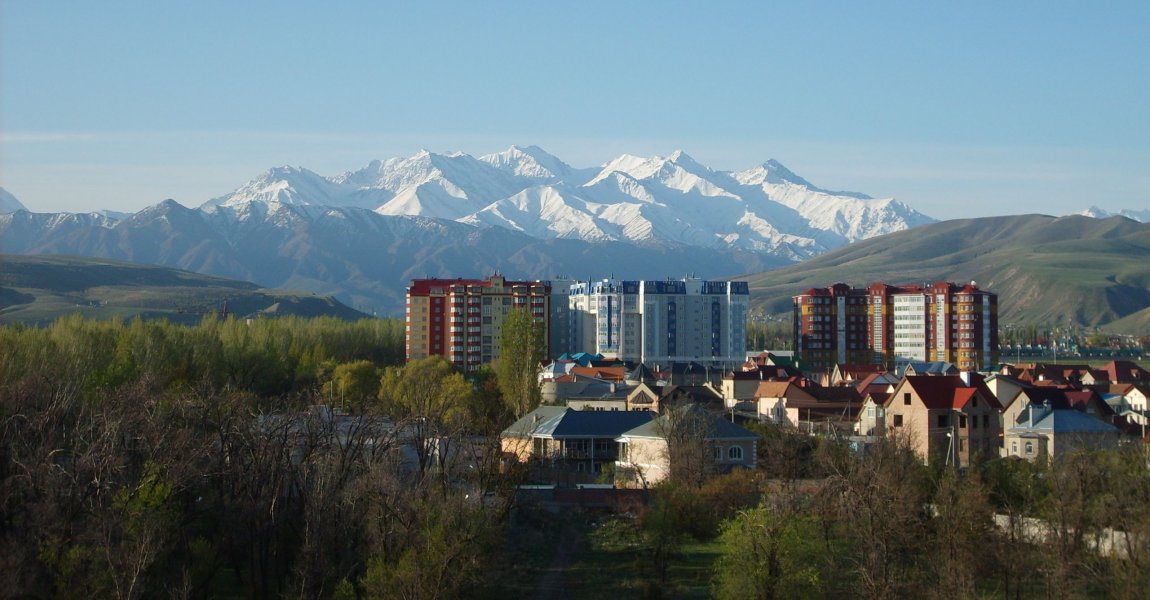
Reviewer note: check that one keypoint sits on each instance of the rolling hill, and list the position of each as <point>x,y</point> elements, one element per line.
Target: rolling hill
<point>1065,271</point>
<point>38,289</point>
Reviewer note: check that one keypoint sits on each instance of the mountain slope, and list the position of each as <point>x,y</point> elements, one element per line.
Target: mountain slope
<point>1056,271</point>
<point>42,288</point>
<point>9,203</point>
<point>363,258</point>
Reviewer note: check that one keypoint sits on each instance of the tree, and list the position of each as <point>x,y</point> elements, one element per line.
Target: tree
<point>881,498</point>
<point>355,383</point>
<point>522,350</point>
<point>768,553</point>
<point>689,432</point>
<point>430,400</point>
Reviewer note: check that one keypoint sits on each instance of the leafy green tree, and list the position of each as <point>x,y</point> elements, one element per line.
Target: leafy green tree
<point>521,352</point>
<point>431,400</point>
<point>355,383</point>
<point>768,554</point>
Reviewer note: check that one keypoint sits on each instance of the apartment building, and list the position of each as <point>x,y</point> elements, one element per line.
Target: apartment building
<point>659,323</point>
<point>891,325</point>
<point>462,319</point>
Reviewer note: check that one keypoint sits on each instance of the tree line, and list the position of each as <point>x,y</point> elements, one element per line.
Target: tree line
<point>303,459</point>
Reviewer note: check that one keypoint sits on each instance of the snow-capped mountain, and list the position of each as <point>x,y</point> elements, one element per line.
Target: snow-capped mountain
<point>1142,216</point>
<point>647,201</point>
<point>9,203</point>
<point>363,234</point>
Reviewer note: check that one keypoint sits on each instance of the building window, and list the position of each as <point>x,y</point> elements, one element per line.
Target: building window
<point>898,420</point>
<point>943,421</point>
<point>1029,448</point>
<point>985,421</point>
<point>906,398</point>
<point>1014,448</point>
<point>735,453</point>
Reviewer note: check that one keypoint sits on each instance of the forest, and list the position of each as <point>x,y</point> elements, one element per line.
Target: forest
<point>293,458</point>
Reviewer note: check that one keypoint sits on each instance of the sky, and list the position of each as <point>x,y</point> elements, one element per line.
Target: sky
<point>959,109</point>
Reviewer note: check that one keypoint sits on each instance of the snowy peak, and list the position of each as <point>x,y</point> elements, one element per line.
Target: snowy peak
<point>9,203</point>
<point>1142,216</point>
<point>645,200</point>
<point>294,186</point>
<point>531,162</point>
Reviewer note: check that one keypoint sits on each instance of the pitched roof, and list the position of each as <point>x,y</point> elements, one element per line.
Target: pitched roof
<point>773,389</point>
<point>1124,371</point>
<point>567,423</point>
<point>718,428</point>
<point>604,373</point>
<point>947,391</point>
<point>1064,421</point>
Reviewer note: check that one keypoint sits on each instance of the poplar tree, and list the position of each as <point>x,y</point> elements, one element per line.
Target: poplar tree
<point>522,351</point>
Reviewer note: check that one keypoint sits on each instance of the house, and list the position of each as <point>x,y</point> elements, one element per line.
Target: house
<point>581,391</point>
<point>951,418</point>
<point>852,374</point>
<point>739,386</point>
<point>1005,388</point>
<point>644,397</point>
<point>877,383</point>
<point>704,396</point>
<point>1124,371</point>
<point>570,446</point>
<point>689,434</point>
<point>772,397</point>
<point>826,409</point>
<point>1048,433</point>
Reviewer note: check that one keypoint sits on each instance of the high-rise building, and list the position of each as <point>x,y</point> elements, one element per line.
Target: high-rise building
<point>889,325</point>
<point>659,323</point>
<point>462,319</point>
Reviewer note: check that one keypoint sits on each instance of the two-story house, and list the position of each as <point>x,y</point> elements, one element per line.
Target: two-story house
<point>949,418</point>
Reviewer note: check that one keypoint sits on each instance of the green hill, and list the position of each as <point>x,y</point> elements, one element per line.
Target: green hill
<point>1075,270</point>
<point>38,289</point>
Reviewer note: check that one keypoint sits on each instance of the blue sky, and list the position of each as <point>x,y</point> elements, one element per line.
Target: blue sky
<point>958,109</point>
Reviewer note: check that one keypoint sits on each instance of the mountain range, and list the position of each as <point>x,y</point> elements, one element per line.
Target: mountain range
<point>362,235</point>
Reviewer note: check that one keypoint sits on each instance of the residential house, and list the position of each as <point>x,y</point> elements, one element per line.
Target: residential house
<point>772,398</point>
<point>644,397</point>
<point>1124,371</point>
<point>739,386</point>
<point>852,374</point>
<point>704,396</point>
<point>1048,433</point>
<point>826,409</point>
<point>947,418</point>
<point>570,446</point>
<point>646,455</point>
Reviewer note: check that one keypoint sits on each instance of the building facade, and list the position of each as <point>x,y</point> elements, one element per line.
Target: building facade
<point>462,319</point>
<point>659,323</point>
<point>891,325</point>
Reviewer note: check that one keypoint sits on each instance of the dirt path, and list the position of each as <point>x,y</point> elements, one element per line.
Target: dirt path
<point>554,582</point>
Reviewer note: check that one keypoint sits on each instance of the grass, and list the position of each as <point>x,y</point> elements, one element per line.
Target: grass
<point>583,557</point>
<point>616,563</point>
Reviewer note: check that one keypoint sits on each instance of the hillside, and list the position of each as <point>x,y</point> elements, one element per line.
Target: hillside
<point>1071,270</point>
<point>38,289</point>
